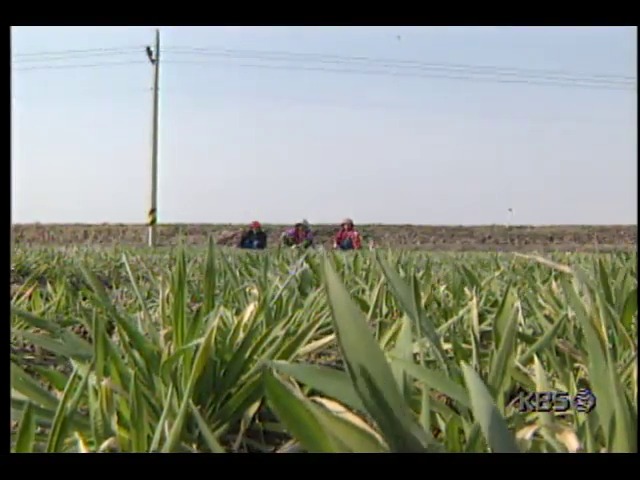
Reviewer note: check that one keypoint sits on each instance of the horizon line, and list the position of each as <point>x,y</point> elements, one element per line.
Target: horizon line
<point>450,225</point>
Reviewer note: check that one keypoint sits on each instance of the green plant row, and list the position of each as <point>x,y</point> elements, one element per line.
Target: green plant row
<point>212,350</point>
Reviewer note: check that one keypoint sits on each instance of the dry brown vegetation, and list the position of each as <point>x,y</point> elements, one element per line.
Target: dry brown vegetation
<point>479,238</point>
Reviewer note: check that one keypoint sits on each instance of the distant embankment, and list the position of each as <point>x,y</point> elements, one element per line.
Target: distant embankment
<point>431,237</point>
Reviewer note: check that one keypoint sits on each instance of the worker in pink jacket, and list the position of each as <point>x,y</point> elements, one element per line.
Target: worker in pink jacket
<point>348,238</point>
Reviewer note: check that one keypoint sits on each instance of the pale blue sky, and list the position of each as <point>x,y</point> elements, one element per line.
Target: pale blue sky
<point>238,143</point>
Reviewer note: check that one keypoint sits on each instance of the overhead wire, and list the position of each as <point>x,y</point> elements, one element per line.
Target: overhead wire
<point>86,65</point>
<point>34,60</point>
<point>320,57</point>
<point>326,58</point>
<point>359,65</point>
<point>78,51</point>
<point>434,74</point>
<point>390,73</point>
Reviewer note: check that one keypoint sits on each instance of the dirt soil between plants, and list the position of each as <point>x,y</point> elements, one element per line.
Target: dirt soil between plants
<point>578,238</point>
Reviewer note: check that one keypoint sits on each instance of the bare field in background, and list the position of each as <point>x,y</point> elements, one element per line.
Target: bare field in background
<point>441,238</point>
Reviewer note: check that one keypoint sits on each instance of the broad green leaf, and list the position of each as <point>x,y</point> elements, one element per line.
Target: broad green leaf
<point>56,379</point>
<point>453,434</point>
<point>64,349</point>
<point>209,437</point>
<point>630,308</point>
<point>543,343</point>
<point>436,380</point>
<point>625,440</point>
<point>299,417</point>
<point>138,342</point>
<point>500,369</point>
<point>162,422</point>
<point>605,287</point>
<point>210,278</point>
<point>234,408</point>
<point>542,385</point>
<point>504,313</point>
<point>486,414</point>
<point>406,298</point>
<point>23,383</point>
<point>351,432</point>
<point>58,430</point>
<point>598,374</point>
<point>198,366</point>
<point>369,371</point>
<point>328,381</point>
<point>403,350</point>
<point>143,304</point>
<point>25,439</point>
<point>137,408</point>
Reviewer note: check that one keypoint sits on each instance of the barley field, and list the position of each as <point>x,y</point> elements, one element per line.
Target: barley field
<point>208,349</point>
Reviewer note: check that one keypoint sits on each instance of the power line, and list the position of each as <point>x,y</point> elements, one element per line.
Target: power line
<point>93,92</point>
<point>325,58</point>
<point>491,78</point>
<point>86,65</point>
<point>433,75</point>
<point>394,68</point>
<point>396,62</point>
<point>86,50</point>
<point>436,69</point>
<point>75,56</point>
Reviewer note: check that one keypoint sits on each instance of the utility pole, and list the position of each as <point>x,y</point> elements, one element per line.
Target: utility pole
<point>152,217</point>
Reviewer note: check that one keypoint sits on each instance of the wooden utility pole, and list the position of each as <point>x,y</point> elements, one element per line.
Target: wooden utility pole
<point>152,218</point>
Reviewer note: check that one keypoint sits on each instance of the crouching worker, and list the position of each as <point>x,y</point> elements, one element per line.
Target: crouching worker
<point>348,237</point>
<point>298,236</point>
<point>255,238</point>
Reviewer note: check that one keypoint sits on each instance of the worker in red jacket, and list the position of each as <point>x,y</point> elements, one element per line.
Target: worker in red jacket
<point>348,237</point>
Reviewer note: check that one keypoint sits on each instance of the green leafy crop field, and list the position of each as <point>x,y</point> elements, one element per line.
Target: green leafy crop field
<point>208,349</point>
